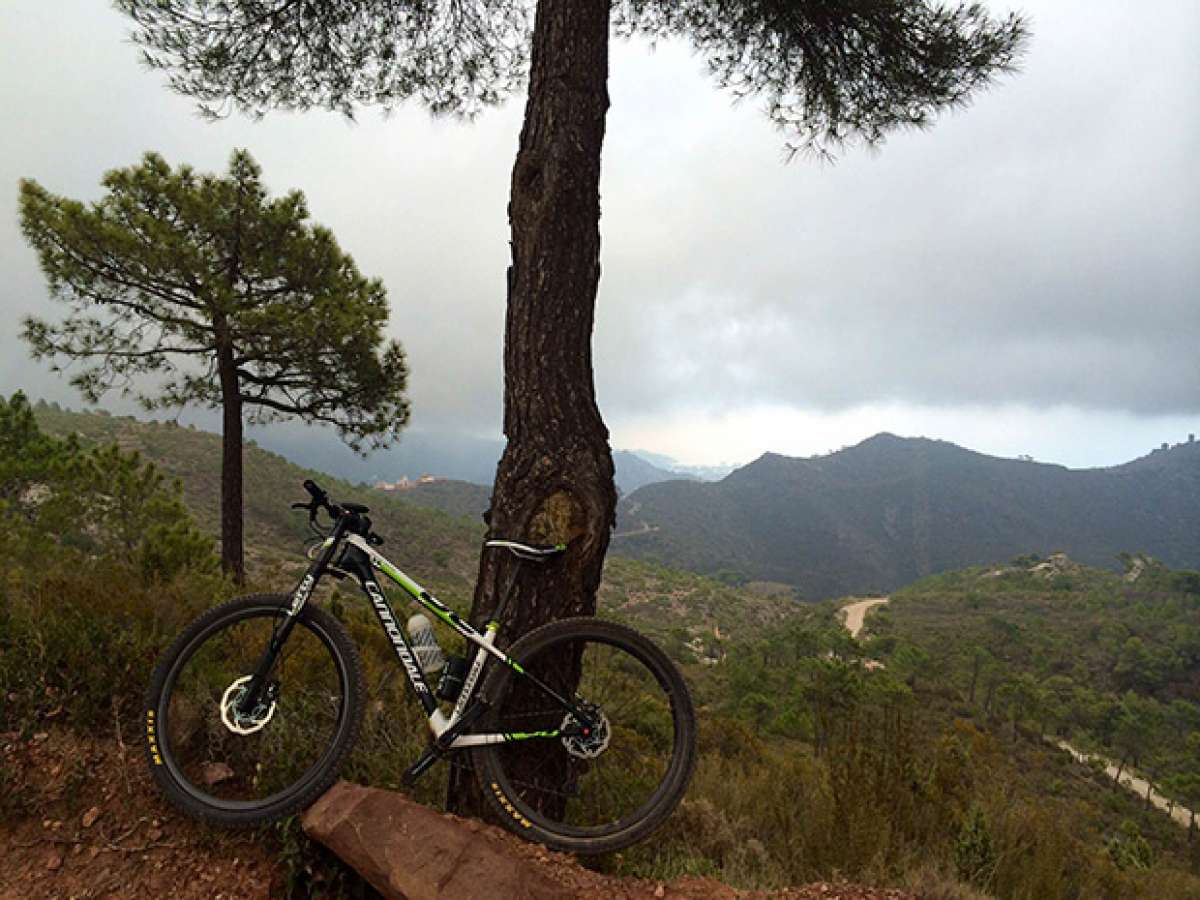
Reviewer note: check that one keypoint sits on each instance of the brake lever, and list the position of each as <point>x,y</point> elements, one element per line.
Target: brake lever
<point>313,508</point>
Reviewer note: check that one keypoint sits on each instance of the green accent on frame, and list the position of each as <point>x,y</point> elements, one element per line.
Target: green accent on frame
<point>401,579</point>
<point>526,735</point>
<point>444,616</point>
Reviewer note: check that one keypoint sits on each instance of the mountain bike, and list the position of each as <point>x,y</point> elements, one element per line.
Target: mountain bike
<point>582,734</point>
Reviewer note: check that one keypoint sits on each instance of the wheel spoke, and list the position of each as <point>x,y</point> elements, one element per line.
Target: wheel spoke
<point>288,740</point>
<point>592,787</point>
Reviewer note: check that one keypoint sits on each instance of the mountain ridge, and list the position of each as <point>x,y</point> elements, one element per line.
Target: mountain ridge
<point>892,509</point>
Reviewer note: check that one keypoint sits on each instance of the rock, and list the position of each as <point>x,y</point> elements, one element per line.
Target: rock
<point>90,817</point>
<point>54,861</point>
<point>409,852</point>
<point>215,773</point>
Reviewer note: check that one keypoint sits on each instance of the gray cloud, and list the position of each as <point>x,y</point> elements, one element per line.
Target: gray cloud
<point>1038,249</point>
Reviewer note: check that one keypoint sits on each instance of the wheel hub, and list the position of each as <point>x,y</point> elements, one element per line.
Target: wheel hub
<point>246,723</point>
<point>588,741</point>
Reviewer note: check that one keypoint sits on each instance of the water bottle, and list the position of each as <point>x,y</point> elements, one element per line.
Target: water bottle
<point>425,645</point>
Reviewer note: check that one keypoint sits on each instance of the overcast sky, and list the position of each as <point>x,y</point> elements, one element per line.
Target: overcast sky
<point>1022,278</point>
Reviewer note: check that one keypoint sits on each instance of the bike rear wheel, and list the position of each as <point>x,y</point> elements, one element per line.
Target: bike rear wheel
<point>221,764</point>
<point>609,789</point>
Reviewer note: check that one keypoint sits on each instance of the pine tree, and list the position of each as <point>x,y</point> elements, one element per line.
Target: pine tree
<point>198,289</point>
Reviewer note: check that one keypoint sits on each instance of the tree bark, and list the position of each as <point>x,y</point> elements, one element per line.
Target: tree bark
<point>232,559</point>
<point>554,483</point>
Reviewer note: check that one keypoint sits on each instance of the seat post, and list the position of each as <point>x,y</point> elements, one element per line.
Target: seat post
<point>505,596</point>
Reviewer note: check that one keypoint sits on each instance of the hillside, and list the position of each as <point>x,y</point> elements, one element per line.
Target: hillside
<point>891,510</point>
<point>1109,662</point>
<point>463,499</point>
<point>447,454</point>
<point>931,772</point>
<point>995,667</point>
<point>433,532</point>
<point>441,547</point>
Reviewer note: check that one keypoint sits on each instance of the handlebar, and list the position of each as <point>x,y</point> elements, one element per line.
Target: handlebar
<point>316,491</point>
<point>320,500</point>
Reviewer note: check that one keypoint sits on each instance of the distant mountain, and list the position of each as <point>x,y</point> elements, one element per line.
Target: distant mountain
<point>703,473</point>
<point>447,454</point>
<point>634,472</point>
<point>419,452</point>
<point>890,510</point>
<point>464,498</point>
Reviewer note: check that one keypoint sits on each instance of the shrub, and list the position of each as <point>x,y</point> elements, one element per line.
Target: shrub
<point>974,854</point>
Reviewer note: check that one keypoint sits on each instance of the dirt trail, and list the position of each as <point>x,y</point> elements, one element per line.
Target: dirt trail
<point>82,820</point>
<point>646,528</point>
<point>856,614</point>
<point>1134,782</point>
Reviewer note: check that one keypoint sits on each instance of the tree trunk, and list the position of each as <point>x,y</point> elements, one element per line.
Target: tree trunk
<point>554,483</point>
<point>232,559</point>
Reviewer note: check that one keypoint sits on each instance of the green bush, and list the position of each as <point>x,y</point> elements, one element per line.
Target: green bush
<point>974,853</point>
<point>102,565</point>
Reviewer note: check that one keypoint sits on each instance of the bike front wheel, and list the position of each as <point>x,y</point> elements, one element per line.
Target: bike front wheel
<point>605,790</point>
<point>224,764</point>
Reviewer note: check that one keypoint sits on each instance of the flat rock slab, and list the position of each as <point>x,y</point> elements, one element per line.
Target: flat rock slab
<point>409,852</point>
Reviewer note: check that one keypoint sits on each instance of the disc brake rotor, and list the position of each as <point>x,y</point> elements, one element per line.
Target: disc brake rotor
<point>242,723</point>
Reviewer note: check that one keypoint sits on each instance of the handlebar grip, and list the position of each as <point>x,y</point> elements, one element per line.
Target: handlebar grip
<point>315,490</point>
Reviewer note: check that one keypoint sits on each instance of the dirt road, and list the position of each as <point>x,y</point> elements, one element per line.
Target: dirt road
<point>856,613</point>
<point>1132,781</point>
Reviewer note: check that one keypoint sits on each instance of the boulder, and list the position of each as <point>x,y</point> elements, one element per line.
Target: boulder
<point>409,852</point>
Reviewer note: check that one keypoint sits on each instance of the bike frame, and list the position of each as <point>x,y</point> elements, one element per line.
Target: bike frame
<point>447,732</point>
